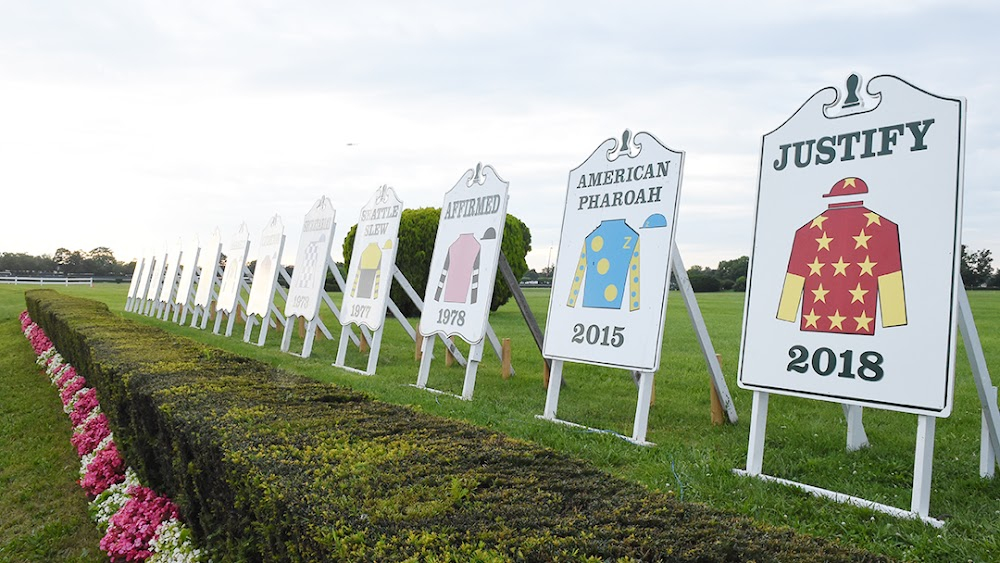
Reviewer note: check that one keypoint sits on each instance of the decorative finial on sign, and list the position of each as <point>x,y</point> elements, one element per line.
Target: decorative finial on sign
<point>623,147</point>
<point>478,178</point>
<point>853,87</point>
<point>382,194</point>
<point>625,137</point>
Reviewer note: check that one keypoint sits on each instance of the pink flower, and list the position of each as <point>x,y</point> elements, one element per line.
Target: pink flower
<point>40,342</point>
<point>86,403</point>
<point>95,431</point>
<point>107,469</point>
<point>65,377</point>
<point>132,528</point>
<point>70,389</point>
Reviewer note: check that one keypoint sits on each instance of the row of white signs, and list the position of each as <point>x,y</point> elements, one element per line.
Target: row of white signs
<point>852,302</point>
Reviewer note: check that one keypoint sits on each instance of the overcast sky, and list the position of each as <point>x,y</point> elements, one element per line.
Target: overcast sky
<point>136,124</point>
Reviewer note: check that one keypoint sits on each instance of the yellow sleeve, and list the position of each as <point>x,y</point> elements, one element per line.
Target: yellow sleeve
<point>633,279</point>
<point>791,294</point>
<point>892,298</point>
<point>574,290</point>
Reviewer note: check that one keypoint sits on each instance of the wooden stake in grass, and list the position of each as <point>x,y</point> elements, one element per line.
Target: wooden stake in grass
<point>505,367</point>
<point>302,327</point>
<point>419,340</point>
<point>449,359</point>
<point>363,347</point>
<point>545,375</point>
<point>718,414</point>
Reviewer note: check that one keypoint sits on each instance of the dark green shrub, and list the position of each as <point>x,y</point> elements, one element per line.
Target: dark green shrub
<point>702,283</point>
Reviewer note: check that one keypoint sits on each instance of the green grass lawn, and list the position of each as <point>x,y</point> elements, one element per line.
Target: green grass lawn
<point>692,459</point>
<point>43,512</point>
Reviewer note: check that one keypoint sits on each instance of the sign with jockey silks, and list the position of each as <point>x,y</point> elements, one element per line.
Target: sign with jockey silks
<point>373,260</point>
<point>609,292</point>
<point>466,251</point>
<point>851,295</point>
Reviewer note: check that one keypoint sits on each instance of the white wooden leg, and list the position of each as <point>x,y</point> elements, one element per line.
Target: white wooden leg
<point>427,348</point>
<point>552,395</point>
<point>376,346</point>
<point>471,368</point>
<point>922,465</point>
<point>987,455</point>
<point>248,328</point>
<point>758,431</point>
<point>265,323</point>
<point>642,407</point>
<point>286,335</point>
<point>342,348</point>
<point>856,436</point>
<point>307,344</point>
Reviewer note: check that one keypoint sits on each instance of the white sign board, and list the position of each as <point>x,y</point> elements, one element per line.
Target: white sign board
<point>373,260</point>
<point>147,274</point>
<point>170,278</point>
<point>609,292</point>
<point>133,285</point>
<point>208,263</point>
<point>852,288</point>
<point>156,282</point>
<point>309,274</point>
<point>189,261</point>
<point>232,275</point>
<point>272,240</point>
<point>466,249</point>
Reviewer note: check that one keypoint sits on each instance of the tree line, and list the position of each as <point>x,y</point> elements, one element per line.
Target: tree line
<point>100,261</point>
<point>731,275</point>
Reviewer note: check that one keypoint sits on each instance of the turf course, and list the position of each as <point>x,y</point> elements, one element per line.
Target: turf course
<point>692,460</point>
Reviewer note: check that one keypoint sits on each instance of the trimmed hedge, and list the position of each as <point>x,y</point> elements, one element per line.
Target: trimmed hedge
<point>268,466</point>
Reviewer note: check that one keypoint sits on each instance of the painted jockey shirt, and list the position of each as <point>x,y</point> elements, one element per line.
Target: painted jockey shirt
<point>609,263</point>
<point>369,273</point>
<point>461,270</point>
<point>842,263</point>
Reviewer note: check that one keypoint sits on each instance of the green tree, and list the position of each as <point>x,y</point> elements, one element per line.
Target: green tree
<point>701,283</point>
<point>417,232</point>
<point>733,269</point>
<point>977,267</point>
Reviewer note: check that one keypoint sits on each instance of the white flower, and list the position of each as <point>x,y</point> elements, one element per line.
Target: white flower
<point>108,503</point>
<point>172,544</point>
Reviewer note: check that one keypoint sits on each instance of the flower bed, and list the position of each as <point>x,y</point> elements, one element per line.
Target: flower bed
<point>138,524</point>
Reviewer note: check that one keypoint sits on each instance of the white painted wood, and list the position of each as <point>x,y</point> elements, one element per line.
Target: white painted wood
<point>427,348</point>
<point>701,332</point>
<point>552,394</point>
<point>980,371</point>
<point>857,438</point>
<point>133,285</point>
<point>641,422</point>
<point>846,499</point>
<point>923,465</point>
<point>758,433</point>
<point>987,455</point>
<point>471,369</point>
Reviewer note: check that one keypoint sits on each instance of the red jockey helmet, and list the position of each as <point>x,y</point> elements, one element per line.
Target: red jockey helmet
<point>848,186</point>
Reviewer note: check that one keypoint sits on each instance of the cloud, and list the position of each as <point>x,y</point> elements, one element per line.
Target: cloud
<point>143,122</point>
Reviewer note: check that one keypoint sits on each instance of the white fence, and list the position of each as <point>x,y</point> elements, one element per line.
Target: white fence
<point>18,280</point>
